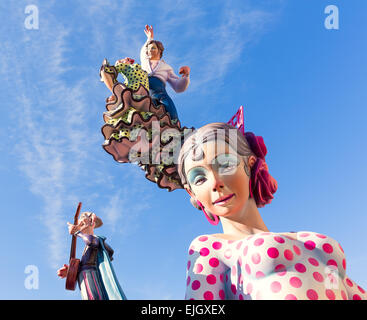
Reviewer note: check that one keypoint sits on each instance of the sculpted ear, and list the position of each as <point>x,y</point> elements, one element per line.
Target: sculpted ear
<point>251,161</point>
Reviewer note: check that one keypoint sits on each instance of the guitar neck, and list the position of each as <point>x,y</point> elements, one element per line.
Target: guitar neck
<point>73,241</point>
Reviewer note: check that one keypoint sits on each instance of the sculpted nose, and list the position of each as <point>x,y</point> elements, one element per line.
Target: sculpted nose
<point>217,183</point>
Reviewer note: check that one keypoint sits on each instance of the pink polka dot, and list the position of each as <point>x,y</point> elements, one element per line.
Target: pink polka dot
<point>233,289</point>
<point>280,269</point>
<point>258,242</point>
<point>256,258</point>
<point>249,288</point>
<point>238,246</point>
<point>188,280</point>
<point>349,283</point>
<point>309,245</point>
<point>297,250</point>
<point>300,267</point>
<point>216,245</point>
<point>361,289</point>
<point>344,296</point>
<point>221,278</point>
<point>228,253</point>
<point>241,278</point>
<point>204,252</point>
<point>211,279</point>
<point>208,295</point>
<point>327,248</point>
<point>198,268</point>
<point>245,250</point>
<point>313,261</point>
<point>191,251</point>
<point>260,274</point>
<point>239,261</point>
<point>234,270</point>
<point>304,234</point>
<point>312,294</point>
<point>222,294</point>
<point>321,236</point>
<point>203,238</point>
<point>330,294</point>
<point>318,277</point>
<point>357,297</point>
<point>231,241</point>
<point>288,254</point>
<point>290,297</point>
<point>213,262</point>
<point>332,262</point>
<point>195,285</point>
<point>273,252</point>
<point>247,268</point>
<point>344,264</point>
<point>279,239</point>
<point>275,286</point>
<point>295,282</point>
<point>240,297</point>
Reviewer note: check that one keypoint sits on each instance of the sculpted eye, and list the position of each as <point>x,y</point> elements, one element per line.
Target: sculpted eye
<point>227,163</point>
<point>199,180</point>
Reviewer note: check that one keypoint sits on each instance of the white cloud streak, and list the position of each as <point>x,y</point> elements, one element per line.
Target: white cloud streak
<point>52,92</point>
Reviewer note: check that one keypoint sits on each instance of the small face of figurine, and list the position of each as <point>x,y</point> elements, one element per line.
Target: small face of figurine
<point>153,52</point>
<point>87,222</point>
<point>219,180</point>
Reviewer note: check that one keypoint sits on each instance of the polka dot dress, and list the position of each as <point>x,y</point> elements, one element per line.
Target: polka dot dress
<point>269,266</point>
<point>134,75</point>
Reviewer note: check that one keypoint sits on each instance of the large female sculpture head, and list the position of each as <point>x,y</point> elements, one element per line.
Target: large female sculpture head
<point>225,172</point>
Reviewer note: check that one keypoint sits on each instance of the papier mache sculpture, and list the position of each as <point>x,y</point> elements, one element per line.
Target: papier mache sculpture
<point>141,121</point>
<point>94,272</point>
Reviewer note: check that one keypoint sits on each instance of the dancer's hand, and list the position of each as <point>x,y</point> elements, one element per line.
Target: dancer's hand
<point>149,32</point>
<point>185,71</point>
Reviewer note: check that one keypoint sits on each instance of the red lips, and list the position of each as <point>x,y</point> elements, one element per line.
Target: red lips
<point>224,198</point>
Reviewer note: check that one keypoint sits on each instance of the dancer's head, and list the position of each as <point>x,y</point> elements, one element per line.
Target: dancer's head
<point>221,170</point>
<point>154,50</point>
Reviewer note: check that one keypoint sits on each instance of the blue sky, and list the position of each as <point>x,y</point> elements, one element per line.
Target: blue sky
<point>303,88</point>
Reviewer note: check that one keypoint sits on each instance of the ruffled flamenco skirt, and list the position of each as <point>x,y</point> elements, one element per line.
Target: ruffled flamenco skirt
<point>137,131</point>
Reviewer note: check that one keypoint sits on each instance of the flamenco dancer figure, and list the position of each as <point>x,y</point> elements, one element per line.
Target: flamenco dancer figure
<point>160,72</point>
<point>96,276</point>
<point>227,179</point>
<point>141,122</point>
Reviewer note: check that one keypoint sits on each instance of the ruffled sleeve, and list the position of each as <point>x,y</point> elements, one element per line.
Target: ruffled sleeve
<point>179,84</point>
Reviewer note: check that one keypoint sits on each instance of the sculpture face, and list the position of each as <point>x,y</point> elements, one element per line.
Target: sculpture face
<point>87,220</point>
<point>153,52</point>
<point>219,180</point>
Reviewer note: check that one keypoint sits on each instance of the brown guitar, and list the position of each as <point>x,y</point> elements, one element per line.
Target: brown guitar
<point>71,277</point>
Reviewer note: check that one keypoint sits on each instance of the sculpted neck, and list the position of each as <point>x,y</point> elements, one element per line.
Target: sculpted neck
<point>244,223</point>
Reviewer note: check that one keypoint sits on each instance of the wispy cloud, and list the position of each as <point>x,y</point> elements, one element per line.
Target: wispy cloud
<point>52,92</point>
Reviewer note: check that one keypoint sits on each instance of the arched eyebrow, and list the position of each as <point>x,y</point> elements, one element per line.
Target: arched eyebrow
<point>214,160</point>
